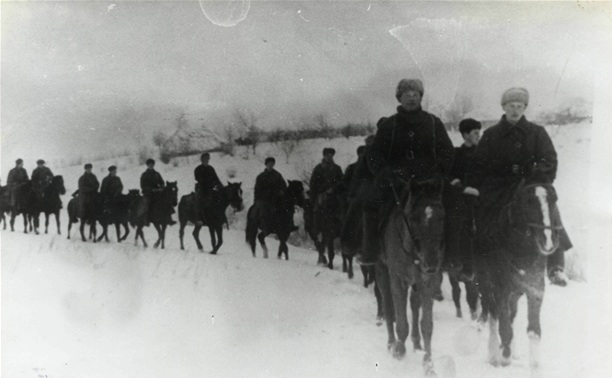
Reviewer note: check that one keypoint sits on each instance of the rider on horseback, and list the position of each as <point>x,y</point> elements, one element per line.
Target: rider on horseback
<point>88,187</point>
<point>409,144</point>
<point>270,187</point>
<point>513,150</point>
<point>326,176</point>
<point>151,184</point>
<point>17,177</point>
<point>111,188</point>
<point>41,178</point>
<point>459,203</point>
<point>208,184</point>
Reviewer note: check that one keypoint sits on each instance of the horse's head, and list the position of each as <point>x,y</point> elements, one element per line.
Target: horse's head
<point>534,213</point>
<point>233,192</point>
<point>424,212</point>
<point>58,184</point>
<point>171,193</point>
<point>295,191</point>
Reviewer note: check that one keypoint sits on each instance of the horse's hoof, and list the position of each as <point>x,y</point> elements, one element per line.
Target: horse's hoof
<point>459,314</point>
<point>213,252</point>
<point>416,345</point>
<point>399,350</point>
<point>429,368</point>
<point>330,266</point>
<point>379,320</point>
<point>350,275</point>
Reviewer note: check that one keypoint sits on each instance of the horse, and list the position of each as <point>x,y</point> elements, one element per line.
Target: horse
<point>52,203</point>
<point>412,249</point>
<point>91,214</point>
<point>160,212</point>
<point>322,221</point>
<point>28,204</point>
<point>526,231</point>
<point>118,213</point>
<point>5,203</point>
<point>214,214</point>
<point>282,220</point>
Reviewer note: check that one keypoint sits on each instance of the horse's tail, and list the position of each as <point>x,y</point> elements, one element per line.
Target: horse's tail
<point>251,227</point>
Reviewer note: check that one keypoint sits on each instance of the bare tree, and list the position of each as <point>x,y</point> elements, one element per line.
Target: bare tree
<point>248,123</point>
<point>460,106</point>
<point>323,126</point>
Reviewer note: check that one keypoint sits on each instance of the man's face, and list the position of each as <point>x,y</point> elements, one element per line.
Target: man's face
<point>20,165</point>
<point>88,170</point>
<point>514,111</point>
<point>270,165</point>
<point>113,173</point>
<point>328,158</point>
<point>472,138</point>
<point>150,166</point>
<point>205,160</point>
<point>410,100</point>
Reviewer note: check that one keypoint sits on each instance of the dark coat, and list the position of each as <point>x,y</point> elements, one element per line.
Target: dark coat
<point>206,177</point>
<point>325,176</point>
<point>149,180</point>
<point>269,185</point>
<point>16,176</point>
<point>507,153</point>
<point>111,186</point>
<point>41,177</point>
<point>414,142</point>
<point>463,164</point>
<point>88,187</point>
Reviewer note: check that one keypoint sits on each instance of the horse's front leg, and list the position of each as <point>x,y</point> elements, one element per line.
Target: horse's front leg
<point>47,223</point>
<point>159,235</point>
<point>82,230</point>
<point>534,306</point>
<point>93,231</point>
<point>196,237</point>
<point>127,231</point>
<point>330,251</point>
<point>427,291</point>
<point>456,289</point>
<point>57,222</point>
<point>384,285</point>
<point>213,238</point>
<point>218,230</point>
<point>262,241</point>
<point>399,292</point>
<point>415,309</point>
<point>163,236</point>
<point>471,294</point>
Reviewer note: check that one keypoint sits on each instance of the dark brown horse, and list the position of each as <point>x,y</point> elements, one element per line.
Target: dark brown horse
<point>89,214</point>
<point>5,203</point>
<point>412,252</point>
<point>213,213</point>
<point>322,221</point>
<point>116,211</point>
<point>526,231</point>
<point>282,216</point>
<point>52,203</point>
<point>28,205</point>
<point>159,214</point>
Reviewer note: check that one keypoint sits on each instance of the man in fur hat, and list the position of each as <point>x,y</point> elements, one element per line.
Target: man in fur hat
<point>88,187</point>
<point>513,150</point>
<point>41,177</point>
<point>16,178</point>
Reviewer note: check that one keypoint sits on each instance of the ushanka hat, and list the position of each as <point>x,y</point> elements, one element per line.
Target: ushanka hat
<point>469,124</point>
<point>515,94</point>
<point>409,85</point>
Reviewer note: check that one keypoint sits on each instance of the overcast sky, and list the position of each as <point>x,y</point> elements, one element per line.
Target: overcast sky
<point>76,74</point>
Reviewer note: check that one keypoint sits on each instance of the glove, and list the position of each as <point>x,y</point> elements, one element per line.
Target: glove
<point>471,191</point>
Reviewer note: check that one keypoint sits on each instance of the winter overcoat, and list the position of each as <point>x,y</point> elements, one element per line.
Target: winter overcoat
<point>207,178</point>
<point>149,180</point>
<point>41,177</point>
<point>111,186</point>
<point>88,187</point>
<point>269,185</point>
<point>325,176</point>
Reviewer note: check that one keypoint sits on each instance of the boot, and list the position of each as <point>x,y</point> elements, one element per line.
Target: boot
<point>370,247</point>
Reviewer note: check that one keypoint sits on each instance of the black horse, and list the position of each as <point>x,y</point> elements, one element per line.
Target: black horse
<point>526,231</point>
<point>322,221</point>
<point>282,220</point>
<point>214,214</point>
<point>160,213</point>
<point>5,203</point>
<point>89,214</point>
<point>29,205</point>
<point>52,203</point>
<point>117,212</point>
<point>412,252</point>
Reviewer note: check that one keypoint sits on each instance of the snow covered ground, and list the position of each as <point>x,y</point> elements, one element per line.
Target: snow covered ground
<point>74,309</point>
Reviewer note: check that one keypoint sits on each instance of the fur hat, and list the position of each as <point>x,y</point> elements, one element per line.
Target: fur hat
<point>150,161</point>
<point>19,161</point>
<point>270,160</point>
<point>112,168</point>
<point>328,150</point>
<point>515,94</point>
<point>88,165</point>
<point>469,124</point>
<point>40,161</point>
<point>409,85</point>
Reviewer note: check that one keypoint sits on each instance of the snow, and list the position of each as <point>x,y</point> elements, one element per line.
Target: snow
<point>74,309</point>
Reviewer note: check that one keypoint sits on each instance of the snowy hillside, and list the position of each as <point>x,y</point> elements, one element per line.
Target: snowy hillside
<point>74,309</point>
